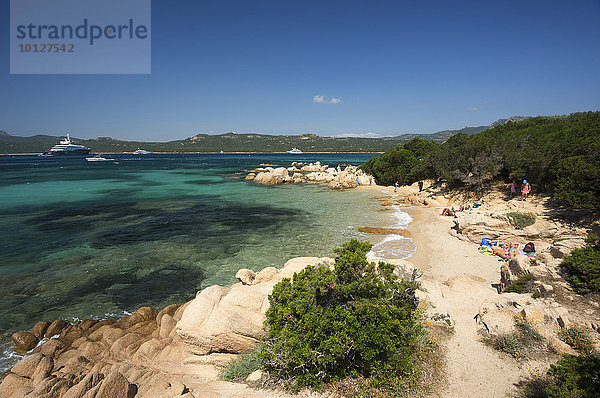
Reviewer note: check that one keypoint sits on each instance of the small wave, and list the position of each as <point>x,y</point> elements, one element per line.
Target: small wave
<point>402,217</point>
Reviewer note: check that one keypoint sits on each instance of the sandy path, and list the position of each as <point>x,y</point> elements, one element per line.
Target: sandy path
<point>458,279</point>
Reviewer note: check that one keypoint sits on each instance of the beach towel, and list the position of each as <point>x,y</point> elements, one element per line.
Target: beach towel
<point>486,250</point>
<point>489,242</point>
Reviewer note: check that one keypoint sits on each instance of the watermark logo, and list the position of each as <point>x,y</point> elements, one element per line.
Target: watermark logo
<point>80,37</point>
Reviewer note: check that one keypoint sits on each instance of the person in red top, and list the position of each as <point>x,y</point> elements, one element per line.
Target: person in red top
<point>525,189</point>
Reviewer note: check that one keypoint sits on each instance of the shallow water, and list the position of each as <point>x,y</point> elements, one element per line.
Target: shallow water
<point>94,240</point>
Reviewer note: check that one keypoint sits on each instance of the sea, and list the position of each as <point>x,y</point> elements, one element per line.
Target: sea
<point>99,240</point>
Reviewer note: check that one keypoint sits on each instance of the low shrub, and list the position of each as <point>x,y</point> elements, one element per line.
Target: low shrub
<point>575,377</point>
<point>577,338</point>
<point>240,368</point>
<point>583,267</point>
<point>522,284</point>
<point>357,320</point>
<point>524,340</point>
<point>527,332</point>
<point>571,377</point>
<point>521,220</point>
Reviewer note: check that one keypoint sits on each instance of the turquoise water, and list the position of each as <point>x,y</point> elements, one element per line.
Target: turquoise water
<point>94,240</point>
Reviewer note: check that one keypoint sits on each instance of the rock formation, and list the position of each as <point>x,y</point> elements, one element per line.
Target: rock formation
<point>177,352</point>
<point>312,173</point>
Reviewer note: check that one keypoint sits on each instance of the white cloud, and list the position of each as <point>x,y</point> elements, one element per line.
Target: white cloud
<point>473,109</point>
<point>358,135</point>
<point>320,99</point>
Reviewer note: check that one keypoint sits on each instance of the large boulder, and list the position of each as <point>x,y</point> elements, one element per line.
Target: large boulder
<point>55,328</point>
<point>24,341</point>
<point>115,385</point>
<point>518,266</point>
<point>39,329</point>
<point>563,248</point>
<point>246,276</point>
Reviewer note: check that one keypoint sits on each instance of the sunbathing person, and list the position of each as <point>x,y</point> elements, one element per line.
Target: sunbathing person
<point>448,212</point>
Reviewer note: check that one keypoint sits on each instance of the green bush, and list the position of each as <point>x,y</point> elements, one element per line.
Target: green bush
<point>391,166</point>
<point>356,320</point>
<point>240,368</point>
<point>559,155</point>
<point>571,377</point>
<point>575,377</point>
<point>521,220</point>
<point>583,267</point>
<point>521,284</point>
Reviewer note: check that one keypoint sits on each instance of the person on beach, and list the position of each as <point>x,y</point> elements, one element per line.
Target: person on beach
<point>525,189</point>
<point>513,188</point>
<point>396,186</point>
<point>420,186</point>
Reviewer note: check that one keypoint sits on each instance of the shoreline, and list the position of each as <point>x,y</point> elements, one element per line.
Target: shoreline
<point>192,153</point>
<point>457,281</point>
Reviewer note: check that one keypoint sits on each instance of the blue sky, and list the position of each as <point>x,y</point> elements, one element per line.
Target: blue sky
<point>326,67</point>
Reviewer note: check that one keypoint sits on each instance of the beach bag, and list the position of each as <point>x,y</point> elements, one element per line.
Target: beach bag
<point>529,248</point>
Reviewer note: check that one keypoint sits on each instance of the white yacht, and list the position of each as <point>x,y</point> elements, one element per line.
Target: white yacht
<point>98,158</point>
<point>65,148</point>
<point>141,152</point>
<point>295,151</point>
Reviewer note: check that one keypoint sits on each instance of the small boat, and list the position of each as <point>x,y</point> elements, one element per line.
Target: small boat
<point>98,158</point>
<point>221,152</point>
<point>141,152</point>
<point>65,148</point>
<point>295,151</point>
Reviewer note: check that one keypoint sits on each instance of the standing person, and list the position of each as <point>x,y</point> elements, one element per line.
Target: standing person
<point>420,186</point>
<point>525,189</point>
<point>513,188</point>
<point>396,186</point>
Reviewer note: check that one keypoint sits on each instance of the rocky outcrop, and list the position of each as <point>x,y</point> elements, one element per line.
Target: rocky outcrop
<point>476,226</point>
<point>148,353</point>
<point>312,173</point>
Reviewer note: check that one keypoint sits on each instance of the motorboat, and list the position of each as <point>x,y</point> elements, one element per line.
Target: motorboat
<point>66,148</point>
<point>294,151</point>
<point>141,152</point>
<point>98,158</point>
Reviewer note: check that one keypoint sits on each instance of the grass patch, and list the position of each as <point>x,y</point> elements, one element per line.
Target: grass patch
<point>240,368</point>
<point>521,220</point>
<point>521,285</point>
<point>520,343</point>
<point>577,338</point>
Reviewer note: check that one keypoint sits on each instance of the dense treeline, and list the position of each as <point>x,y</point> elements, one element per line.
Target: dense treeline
<point>559,155</point>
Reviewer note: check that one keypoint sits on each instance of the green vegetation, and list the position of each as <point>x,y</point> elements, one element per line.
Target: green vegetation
<point>558,155</point>
<point>571,377</point>
<point>521,285</point>
<point>583,267</point>
<point>357,320</point>
<point>577,338</point>
<point>242,366</point>
<point>230,142</point>
<point>520,343</point>
<point>521,220</point>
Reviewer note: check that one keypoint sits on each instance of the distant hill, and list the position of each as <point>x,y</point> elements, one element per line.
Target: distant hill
<point>233,142</point>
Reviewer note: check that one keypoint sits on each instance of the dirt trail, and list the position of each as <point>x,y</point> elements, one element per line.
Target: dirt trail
<point>458,279</point>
